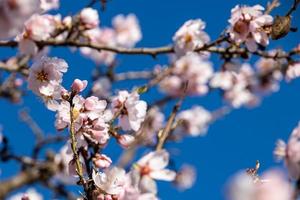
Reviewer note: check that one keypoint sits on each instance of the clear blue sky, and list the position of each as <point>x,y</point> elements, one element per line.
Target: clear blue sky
<point>232,143</point>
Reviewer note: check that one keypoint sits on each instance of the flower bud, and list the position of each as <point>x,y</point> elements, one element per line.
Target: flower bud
<point>79,85</point>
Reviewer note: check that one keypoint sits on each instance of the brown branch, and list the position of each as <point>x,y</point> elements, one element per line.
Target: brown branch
<point>293,8</point>
<point>163,134</point>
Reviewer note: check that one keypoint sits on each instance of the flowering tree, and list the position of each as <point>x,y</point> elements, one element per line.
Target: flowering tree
<point>90,116</point>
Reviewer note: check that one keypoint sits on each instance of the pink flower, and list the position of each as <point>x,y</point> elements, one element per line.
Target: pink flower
<point>185,177</point>
<point>191,68</point>
<point>290,152</point>
<point>194,121</point>
<point>110,181</point>
<point>133,110</point>
<point>45,76</point>
<point>89,18</point>
<point>94,107</point>
<point>190,36</point>
<point>152,167</point>
<point>101,161</point>
<point>127,28</point>
<point>249,25</point>
<point>41,27</point>
<point>293,71</point>
<point>79,85</point>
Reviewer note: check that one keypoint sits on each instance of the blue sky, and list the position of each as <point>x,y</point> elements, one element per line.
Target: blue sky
<point>232,143</point>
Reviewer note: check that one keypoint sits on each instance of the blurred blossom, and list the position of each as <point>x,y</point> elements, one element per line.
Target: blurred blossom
<point>49,4</point>
<point>293,71</point>
<point>89,18</point>
<point>127,28</point>
<point>30,194</point>
<point>13,14</point>
<point>41,27</point>
<point>290,152</point>
<point>191,69</point>
<point>272,186</point>
<point>223,80</point>
<point>104,36</point>
<point>194,121</point>
<point>185,177</point>
<point>101,87</point>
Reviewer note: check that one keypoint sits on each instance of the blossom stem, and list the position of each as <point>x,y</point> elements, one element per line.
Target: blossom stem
<point>79,170</point>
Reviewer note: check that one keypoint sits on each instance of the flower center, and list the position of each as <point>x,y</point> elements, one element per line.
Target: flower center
<point>42,76</point>
<point>145,170</point>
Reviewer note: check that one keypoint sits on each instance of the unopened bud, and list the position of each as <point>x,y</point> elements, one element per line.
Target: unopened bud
<point>79,85</point>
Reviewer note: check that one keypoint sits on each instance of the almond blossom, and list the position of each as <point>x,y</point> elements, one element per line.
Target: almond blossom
<point>89,18</point>
<point>290,152</point>
<point>111,181</point>
<point>191,68</point>
<point>194,121</point>
<point>132,110</point>
<point>152,167</point>
<point>41,27</point>
<point>190,36</point>
<point>250,25</point>
<point>45,76</point>
<point>127,29</point>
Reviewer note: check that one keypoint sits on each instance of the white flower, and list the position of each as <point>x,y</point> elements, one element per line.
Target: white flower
<point>111,180</point>
<point>152,166</point>
<point>190,36</point>
<point>133,110</point>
